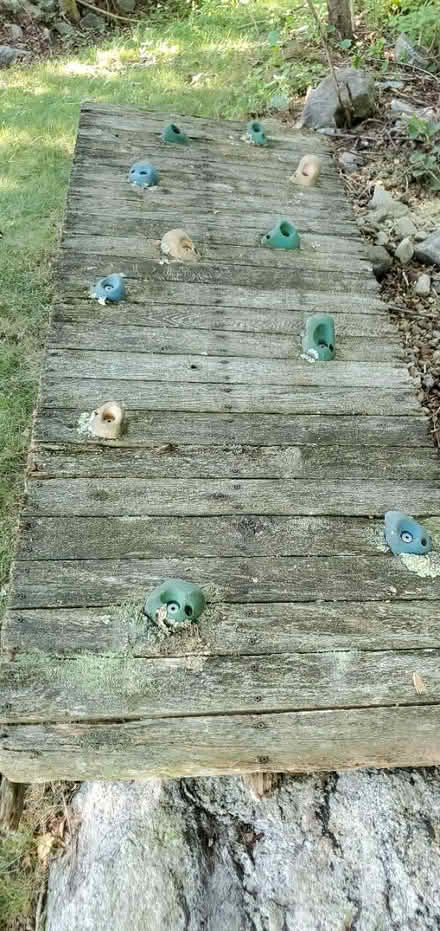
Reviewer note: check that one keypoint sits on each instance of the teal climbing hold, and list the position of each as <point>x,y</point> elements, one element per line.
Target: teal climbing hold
<point>319,337</point>
<point>255,131</point>
<point>172,133</point>
<point>143,174</point>
<point>174,602</point>
<point>110,288</point>
<point>283,236</point>
<point>403,534</point>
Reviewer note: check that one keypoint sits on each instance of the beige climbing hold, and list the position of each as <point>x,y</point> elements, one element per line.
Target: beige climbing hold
<point>179,245</point>
<point>308,170</point>
<point>106,422</point>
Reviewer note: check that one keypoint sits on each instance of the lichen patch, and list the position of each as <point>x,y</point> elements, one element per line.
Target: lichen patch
<point>426,567</point>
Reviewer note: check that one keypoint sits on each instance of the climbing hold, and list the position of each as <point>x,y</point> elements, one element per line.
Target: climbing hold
<point>174,602</point>
<point>319,337</point>
<point>172,133</point>
<point>179,245</point>
<point>255,133</point>
<point>110,288</point>
<point>405,535</point>
<point>283,236</point>
<point>143,174</point>
<point>107,421</point>
<point>308,171</point>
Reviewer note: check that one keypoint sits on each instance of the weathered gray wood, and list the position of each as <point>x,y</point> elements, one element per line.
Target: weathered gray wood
<point>87,393</point>
<point>11,803</point>
<point>249,629</point>
<point>134,247</point>
<point>297,277</point>
<point>316,463</point>
<point>134,366</point>
<point>288,322</point>
<point>206,497</point>
<point>95,583</point>
<point>175,747</point>
<point>36,687</point>
<point>153,428</point>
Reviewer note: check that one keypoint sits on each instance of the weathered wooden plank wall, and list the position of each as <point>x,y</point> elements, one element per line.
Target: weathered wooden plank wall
<point>244,468</point>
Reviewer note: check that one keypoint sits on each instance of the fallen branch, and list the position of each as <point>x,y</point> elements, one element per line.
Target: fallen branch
<point>345,109</point>
<point>97,9</point>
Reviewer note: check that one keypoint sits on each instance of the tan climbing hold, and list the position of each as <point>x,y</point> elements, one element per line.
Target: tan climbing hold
<point>106,422</point>
<point>308,170</point>
<point>178,245</point>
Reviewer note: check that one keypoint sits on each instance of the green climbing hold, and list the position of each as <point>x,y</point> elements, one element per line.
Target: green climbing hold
<point>255,131</point>
<point>172,133</point>
<point>283,236</point>
<point>174,602</point>
<point>319,337</point>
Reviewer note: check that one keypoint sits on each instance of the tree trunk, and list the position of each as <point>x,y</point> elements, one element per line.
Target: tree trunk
<point>11,803</point>
<point>321,853</point>
<point>340,16</point>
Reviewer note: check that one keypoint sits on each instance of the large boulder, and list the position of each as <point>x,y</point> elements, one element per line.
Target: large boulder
<point>322,108</point>
<point>322,853</point>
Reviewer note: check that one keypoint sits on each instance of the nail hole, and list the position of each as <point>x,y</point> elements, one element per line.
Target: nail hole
<point>285,229</point>
<point>423,541</point>
<point>193,366</point>
<point>108,416</point>
<point>175,128</point>
<point>188,610</point>
<point>330,346</point>
<point>256,127</point>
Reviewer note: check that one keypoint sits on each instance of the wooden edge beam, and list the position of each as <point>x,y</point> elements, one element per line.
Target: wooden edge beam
<point>11,803</point>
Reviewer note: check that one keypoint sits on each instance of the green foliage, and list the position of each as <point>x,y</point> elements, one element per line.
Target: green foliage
<point>424,162</point>
<point>421,23</point>
<point>17,883</point>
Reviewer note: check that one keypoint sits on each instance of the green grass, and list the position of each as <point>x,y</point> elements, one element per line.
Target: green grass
<point>215,62</point>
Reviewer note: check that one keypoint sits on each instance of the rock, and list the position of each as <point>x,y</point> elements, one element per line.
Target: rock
<point>405,251</point>
<point>385,205</point>
<point>380,260</point>
<point>423,285</point>
<point>92,21</point>
<point>409,54</point>
<point>8,55</point>
<point>333,851</point>
<point>404,226</point>
<point>420,235</point>
<point>429,250</point>
<point>46,34</point>
<point>126,6</point>
<point>63,28</point>
<point>322,107</point>
<point>382,239</point>
<point>15,32</point>
<point>350,162</point>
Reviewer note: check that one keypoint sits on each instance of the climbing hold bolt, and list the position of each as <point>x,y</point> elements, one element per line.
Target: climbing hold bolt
<point>283,236</point>
<point>110,288</point>
<point>255,133</point>
<point>174,602</point>
<point>143,174</point>
<point>308,171</point>
<point>319,337</point>
<point>405,535</point>
<point>107,421</point>
<point>179,245</point>
<point>172,133</point>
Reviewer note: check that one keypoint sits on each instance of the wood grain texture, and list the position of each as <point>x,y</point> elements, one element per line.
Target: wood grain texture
<point>11,803</point>
<point>177,747</point>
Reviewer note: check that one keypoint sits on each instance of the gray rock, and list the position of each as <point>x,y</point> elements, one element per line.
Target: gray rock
<point>63,28</point>
<point>423,285</point>
<point>429,250</point>
<point>92,21</point>
<point>405,251</point>
<point>322,107</point>
<point>420,235</point>
<point>382,238</point>
<point>7,55</point>
<point>407,53</point>
<point>15,32</point>
<point>384,205</point>
<point>126,6</point>
<point>404,226</point>
<point>350,162</point>
<point>380,260</point>
<point>323,853</point>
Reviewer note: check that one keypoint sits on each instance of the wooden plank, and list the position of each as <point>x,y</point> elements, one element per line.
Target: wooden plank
<point>175,496</point>
<point>153,428</point>
<point>90,393</point>
<point>313,462</point>
<point>95,582</point>
<point>142,366</point>
<point>199,746</point>
<point>171,340</point>
<point>231,535</point>
<point>255,256</point>
<point>37,687</point>
<point>229,629</point>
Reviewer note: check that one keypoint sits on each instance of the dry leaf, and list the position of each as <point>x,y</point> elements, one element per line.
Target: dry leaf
<point>44,848</point>
<point>419,684</point>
